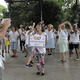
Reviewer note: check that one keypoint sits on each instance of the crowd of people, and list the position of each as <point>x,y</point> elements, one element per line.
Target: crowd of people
<point>66,39</point>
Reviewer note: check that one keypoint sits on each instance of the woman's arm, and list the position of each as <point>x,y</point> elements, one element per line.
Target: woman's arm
<point>70,26</point>
<point>62,24</point>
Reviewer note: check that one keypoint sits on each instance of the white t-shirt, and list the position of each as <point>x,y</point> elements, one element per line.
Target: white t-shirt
<point>42,50</point>
<point>63,35</point>
<point>74,38</point>
<point>49,33</point>
<point>13,36</point>
<point>23,36</point>
<point>20,31</point>
<point>27,36</point>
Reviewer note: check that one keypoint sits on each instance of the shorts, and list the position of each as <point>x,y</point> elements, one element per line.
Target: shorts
<point>14,45</point>
<point>7,43</point>
<point>72,46</point>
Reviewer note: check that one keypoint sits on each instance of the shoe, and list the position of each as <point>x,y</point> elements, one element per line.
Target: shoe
<point>63,61</point>
<point>23,51</point>
<point>38,73</point>
<point>70,58</point>
<point>49,54</point>
<point>43,74</point>
<point>77,59</point>
<point>3,56</point>
<point>14,56</point>
<point>25,55</point>
<point>29,65</point>
<point>31,62</point>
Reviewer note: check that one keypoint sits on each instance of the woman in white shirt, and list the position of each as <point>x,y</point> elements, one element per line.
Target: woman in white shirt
<point>51,42</point>
<point>30,53</point>
<point>74,42</point>
<point>39,51</point>
<point>13,36</point>
<point>63,39</point>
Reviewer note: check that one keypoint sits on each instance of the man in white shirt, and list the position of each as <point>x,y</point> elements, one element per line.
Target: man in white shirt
<point>20,32</point>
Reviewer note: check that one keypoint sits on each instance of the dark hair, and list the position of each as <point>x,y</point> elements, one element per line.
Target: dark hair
<point>41,25</point>
<point>14,27</point>
<point>28,28</point>
<point>23,27</point>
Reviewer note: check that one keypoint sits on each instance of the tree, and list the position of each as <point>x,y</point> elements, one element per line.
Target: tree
<point>25,14</point>
<point>2,10</point>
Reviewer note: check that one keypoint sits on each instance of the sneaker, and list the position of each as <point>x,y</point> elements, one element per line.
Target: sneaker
<point>31,62</point>
<point>49,54</point>
<point>43,74</point>
<point>70,58</point>
<point>29,65</point>
<point>77,59</point>
<point>25,55</point>
<point>14,56</point>
<point>38,73</point>
<point>3,56</point>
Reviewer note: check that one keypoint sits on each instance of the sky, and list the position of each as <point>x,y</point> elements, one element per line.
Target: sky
<point>2,2</point>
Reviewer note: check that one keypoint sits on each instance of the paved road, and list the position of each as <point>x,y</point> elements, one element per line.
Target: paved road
<point>15,68</point>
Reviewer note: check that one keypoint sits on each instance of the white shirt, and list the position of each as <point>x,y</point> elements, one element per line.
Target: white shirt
<point>74,38</point>
<point>42,50</point>
<point>23,36</point>
<point>27,36</point>
<point>63,35</point>
<point>49,33</point>
<point>20,31</point>
<point>13,36</point>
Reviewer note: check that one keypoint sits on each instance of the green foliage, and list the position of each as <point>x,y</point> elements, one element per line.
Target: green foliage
<point>2,10</point>
<point>26,14</point>
<point>22,13</point>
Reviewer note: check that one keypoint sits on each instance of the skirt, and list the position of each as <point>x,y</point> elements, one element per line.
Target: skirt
<point>63,46</point>
<point>51,43</point>
<point>30,52</point>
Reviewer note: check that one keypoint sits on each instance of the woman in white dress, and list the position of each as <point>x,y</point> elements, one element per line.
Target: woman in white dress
<point>63,39</point>
<point>51,42</point>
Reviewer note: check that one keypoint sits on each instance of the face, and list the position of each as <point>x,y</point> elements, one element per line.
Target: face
<point>13,28</point>
<point>21,26</point>
<point>74,28</point>
<point>39,28</point>
<point>49,27</point>
<point>63,27</point>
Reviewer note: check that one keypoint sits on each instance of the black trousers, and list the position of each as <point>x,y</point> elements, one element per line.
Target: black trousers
<point>22,43</point>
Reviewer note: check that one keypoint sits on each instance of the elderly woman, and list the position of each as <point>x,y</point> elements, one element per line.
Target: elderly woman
<point>63,39</point>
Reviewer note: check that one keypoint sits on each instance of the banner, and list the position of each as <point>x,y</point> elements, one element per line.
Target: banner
<point>37,41</point>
